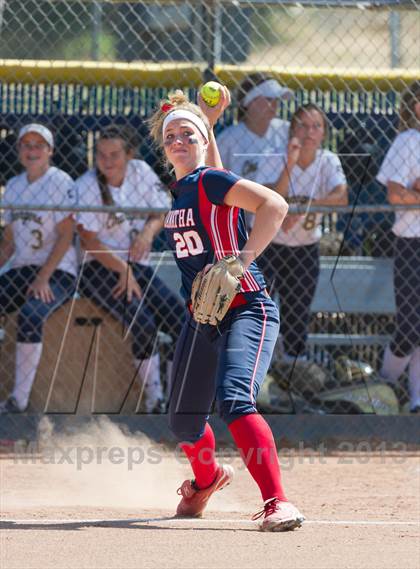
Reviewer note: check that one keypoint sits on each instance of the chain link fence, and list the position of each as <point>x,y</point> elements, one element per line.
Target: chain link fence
<point>344,269</point>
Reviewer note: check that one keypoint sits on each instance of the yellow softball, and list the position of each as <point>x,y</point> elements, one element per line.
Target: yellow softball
<point>210,93</point>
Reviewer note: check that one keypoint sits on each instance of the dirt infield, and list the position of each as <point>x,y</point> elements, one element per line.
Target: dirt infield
<point>81,507</point>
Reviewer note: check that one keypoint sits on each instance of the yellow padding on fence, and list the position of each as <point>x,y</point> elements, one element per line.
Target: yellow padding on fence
<point>172,75</point>
<point>327,78</point>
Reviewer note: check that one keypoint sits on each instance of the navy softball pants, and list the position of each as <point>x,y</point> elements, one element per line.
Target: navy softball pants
<point>159,308</point>
<point>407,295</point>
<point>293,272</point>
<point>32,311</point>
<point>226,363</point>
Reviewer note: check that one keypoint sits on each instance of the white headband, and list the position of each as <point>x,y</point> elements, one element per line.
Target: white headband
<point>270,89</point>
<point>187,115</point>
<point>39,129</point>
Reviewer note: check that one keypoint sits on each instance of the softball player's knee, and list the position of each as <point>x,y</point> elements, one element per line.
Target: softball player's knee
<point>31,321</point>
<point>231,410</point>
<point>184,429</point>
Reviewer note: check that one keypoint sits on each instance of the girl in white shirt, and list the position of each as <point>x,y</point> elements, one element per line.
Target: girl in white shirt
<point>115,273</point>
<point>400,172</point>
<point>308,175</point>
<point>246,146</point>
<point>43,261</point>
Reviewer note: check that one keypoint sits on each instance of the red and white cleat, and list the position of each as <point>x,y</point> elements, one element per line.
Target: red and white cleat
<point>194,501</point>
<point>279,516</point>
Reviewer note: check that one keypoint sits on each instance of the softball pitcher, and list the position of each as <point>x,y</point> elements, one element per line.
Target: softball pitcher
<point>227,361</point>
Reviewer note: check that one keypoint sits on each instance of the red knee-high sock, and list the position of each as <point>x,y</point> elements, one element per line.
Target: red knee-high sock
<point>255,441</point>
<point>202,458</point>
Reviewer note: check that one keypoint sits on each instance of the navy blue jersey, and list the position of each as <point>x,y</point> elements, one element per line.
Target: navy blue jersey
<point>201,229</point>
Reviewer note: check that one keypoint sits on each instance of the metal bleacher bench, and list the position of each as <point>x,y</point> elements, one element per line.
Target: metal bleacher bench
<point>353,286</point>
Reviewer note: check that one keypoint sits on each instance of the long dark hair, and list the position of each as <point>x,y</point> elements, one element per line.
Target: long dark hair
<point>130,143</point>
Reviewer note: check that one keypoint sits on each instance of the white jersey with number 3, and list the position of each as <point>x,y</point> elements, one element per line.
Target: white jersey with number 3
<point>402,166</point>
<point>314,182</point>
<point>141,188</point>
<point>34,232</point>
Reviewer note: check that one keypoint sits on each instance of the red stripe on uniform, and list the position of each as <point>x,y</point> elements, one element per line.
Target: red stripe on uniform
<point>205,207</point>
<point>233,229</point>
<point>223,230</point>
<point>248,282</point>
<point>215,233</point>
<point>221,224</point>
<point>216,222</point>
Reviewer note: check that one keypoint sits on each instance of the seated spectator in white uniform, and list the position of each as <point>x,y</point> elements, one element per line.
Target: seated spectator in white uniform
<point>43,265</point>
<point>400,173</point>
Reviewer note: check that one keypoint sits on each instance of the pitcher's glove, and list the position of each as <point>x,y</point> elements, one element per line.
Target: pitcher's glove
<point>213,291</point>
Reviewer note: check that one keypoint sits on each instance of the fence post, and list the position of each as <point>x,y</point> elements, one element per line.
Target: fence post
<point>96,30</point>
<point>394,23</point>
<point>213,44</point>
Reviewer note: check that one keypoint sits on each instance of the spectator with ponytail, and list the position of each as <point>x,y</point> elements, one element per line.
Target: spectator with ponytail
<point>115,272</point>
<point>311,175</point>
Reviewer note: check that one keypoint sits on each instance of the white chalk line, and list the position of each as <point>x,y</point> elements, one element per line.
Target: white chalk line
<point>199,521</point>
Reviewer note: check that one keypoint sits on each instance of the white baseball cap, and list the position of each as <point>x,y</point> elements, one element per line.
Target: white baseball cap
<point>39,129</point>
